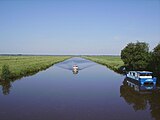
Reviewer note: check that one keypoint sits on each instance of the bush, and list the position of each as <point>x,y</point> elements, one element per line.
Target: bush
<point>5,72</point>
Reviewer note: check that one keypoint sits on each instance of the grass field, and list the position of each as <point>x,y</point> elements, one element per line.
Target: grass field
<point>20,66</point>
<point>112,62</point>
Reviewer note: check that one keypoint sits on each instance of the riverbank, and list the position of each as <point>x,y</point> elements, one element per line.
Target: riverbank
<point>112,62</point>
<point>20,66</point>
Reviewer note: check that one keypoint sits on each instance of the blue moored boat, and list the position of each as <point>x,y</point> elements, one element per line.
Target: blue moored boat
<point>143,77</point>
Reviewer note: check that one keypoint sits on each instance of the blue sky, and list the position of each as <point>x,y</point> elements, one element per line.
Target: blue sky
<point>77,27</point>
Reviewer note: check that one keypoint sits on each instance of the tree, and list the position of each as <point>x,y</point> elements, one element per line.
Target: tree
<point>127,56</point>
<point>136,56</point>
<point>155,61</point>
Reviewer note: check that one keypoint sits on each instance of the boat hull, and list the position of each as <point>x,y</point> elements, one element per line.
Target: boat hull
<point>143,81</point>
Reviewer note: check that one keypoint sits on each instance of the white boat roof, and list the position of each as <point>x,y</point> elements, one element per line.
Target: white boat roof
<point>141,71</point>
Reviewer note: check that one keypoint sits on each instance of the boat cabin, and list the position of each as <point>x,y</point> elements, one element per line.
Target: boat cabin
<point>141,74</point>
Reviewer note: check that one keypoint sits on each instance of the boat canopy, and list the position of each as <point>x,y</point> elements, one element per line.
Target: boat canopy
<point>144,72</point>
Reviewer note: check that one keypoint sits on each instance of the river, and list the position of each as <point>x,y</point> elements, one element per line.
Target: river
<point>93,93</point>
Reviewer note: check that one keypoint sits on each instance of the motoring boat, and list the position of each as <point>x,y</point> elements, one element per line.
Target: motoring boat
<point>143,77</point>
<point>75,68</point>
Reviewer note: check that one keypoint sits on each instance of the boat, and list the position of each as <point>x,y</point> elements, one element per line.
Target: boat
<point>75,68</point>
<point>143,77</point>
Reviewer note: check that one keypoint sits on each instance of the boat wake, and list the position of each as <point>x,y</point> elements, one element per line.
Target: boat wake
<point>80,62</point>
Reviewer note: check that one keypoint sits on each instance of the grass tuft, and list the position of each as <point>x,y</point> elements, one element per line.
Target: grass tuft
<point>5,72</point>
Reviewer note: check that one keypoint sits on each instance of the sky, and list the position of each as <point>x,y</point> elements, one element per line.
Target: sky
<point>74,27</point>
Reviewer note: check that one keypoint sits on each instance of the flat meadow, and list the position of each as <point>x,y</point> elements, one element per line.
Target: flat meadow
<point>20,66</point>
<point>112,62</point>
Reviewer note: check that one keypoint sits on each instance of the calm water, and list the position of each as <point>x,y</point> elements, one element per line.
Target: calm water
<point>94,93</point>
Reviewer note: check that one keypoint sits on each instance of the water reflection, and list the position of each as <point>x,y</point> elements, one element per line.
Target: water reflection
<point>6,85</point>
<point>141,97</point>
<point>75,71</point>
<point>80,62</point>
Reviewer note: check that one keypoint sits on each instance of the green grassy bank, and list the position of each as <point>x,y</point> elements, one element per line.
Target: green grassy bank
<point>20,66</point>
<point>112,62</point>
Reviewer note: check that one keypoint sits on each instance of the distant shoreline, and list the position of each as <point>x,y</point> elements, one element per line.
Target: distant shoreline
<point>53,55</point>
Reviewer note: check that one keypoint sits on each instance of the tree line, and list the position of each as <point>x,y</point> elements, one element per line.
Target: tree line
<point>136,56</point>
